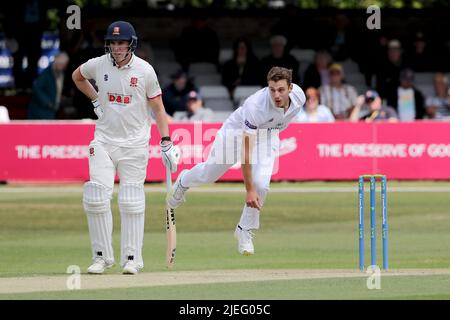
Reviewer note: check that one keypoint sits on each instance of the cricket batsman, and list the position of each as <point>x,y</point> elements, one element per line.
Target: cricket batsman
<point>251,132</point>
<point>127,87</point>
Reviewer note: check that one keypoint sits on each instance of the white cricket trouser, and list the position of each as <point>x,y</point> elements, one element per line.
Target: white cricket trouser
<point>225,152</point>
<point>130,164</point>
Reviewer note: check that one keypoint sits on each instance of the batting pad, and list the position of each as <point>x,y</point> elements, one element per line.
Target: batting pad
<point>132,209</point>
<point>96,202</point>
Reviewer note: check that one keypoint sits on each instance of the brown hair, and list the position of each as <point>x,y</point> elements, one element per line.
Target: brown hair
<point>279,73</point>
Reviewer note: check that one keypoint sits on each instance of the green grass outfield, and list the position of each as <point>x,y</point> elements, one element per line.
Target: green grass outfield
<point>309,226</point>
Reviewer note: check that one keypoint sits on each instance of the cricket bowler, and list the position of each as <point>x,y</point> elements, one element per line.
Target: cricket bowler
<point>250,135</point>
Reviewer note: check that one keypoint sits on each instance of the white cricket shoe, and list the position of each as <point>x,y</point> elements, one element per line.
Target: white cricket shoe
<point>178,192</point>
<point>244,237</point>
<point>130,268</point>
<point>99,266</point>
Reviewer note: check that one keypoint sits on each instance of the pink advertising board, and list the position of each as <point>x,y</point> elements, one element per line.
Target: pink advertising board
<point>58,151</point>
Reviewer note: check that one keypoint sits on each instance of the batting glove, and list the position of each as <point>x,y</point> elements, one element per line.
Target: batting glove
<point>97,108</point>
<point>170,155</point>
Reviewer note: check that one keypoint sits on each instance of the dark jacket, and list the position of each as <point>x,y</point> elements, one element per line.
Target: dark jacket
<point>175,100</point>
<point>43,97</point>
<point>251,73</point>
<point>312,77</point>
<point>392,100</point>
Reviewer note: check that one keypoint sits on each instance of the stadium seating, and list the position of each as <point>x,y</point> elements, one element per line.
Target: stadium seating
<point>208,79</point>
<point>243,92</point>
<point>216,98</point>
<point>305,56</point>
<point>225,54</point>
<point>166,67</point>
<point>200,68</point>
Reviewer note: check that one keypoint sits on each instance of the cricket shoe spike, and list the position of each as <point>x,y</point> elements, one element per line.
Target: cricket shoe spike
<point>99,266</point>
<point>178,192</point>
<point>245,238</point>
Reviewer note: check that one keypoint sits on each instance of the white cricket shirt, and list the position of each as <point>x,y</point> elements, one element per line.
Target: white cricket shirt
<point>123,94</point>
<point>260,112</point>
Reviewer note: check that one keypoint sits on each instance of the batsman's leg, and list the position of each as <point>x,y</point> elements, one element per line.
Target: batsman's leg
<point>132,169</point>
<point>132,209</point>
<point>97,195</point>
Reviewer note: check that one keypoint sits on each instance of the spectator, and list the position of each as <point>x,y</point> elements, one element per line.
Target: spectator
<point>195,110</point>
<point>26,21</point>
<point>313,110</point>
<point>175,94</point>
<point>438,106</point>
<point>47,89</point>
<point>406,99</point>
<point>243,69</point>
<point>316,74</point>
<point>372,53</point>
<point>279,57</point>
<point>84,45</point>
<point>389,70</point>
<point>419,57</point>
<point>197,43</point>
<point>369,108</point>
<point>339,97</point>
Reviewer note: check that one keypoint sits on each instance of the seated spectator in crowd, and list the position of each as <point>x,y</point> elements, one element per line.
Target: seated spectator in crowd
<point>279,57</point>
<point>419,57</point>
<point>371,51</point>
<point>337,96</point>
<point>197,43</point>
<point>175,94</point>
<point>438,106</point>
<point>313,110</point>
<point>47,89</point>
<point>243,69</point>
<point>369,107</point>
<point>316,74</point>
<point>406,99</point>
<point>195,110</point>
<point>389,70</point>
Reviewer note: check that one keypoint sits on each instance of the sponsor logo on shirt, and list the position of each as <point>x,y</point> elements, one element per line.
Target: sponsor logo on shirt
<point>279,126</point>
<point>119,98</point>
<point>248,124</point>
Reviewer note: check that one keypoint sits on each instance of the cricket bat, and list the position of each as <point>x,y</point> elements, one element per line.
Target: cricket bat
<point>171,231</point>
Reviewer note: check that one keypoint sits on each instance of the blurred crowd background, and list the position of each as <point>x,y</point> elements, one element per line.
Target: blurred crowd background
<point>210,55</point>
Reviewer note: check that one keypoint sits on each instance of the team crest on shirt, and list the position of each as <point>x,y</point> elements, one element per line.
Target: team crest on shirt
<point>91,151</point>
<point>133,82</point>
<point>105,77</point>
